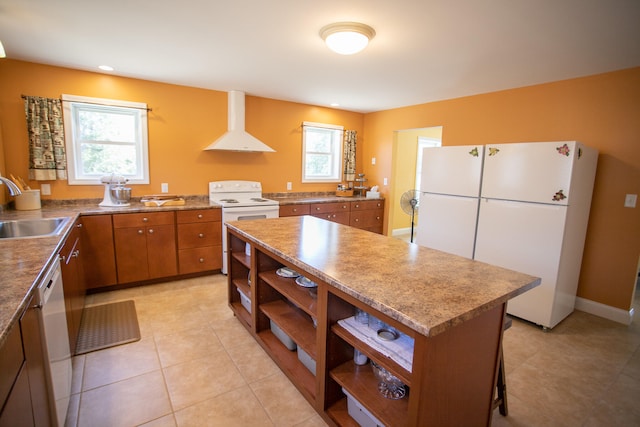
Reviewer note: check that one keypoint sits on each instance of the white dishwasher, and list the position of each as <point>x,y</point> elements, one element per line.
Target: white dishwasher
<point>55,339</point>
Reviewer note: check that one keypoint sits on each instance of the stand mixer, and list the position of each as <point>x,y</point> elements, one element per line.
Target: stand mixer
<point>115,192</point>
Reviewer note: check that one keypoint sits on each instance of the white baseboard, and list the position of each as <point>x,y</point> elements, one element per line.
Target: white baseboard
<point>401,231</point>
<point>601,310</point>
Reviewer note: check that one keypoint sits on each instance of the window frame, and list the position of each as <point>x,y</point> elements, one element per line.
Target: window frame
<point>336,154</point>
<point>72,104</point>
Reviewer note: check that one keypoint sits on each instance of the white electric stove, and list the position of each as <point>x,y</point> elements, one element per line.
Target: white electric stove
<point>240,201</point>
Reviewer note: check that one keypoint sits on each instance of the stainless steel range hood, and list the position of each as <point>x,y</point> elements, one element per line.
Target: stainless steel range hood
<point>236,138</point>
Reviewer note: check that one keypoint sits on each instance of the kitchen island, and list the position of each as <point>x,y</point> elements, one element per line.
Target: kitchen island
<point>452,310</point>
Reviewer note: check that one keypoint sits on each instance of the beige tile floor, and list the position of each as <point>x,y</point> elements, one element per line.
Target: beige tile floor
<point>197,366</point>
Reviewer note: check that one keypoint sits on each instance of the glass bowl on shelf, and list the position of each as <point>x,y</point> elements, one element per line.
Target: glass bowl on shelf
<point>389,385</point>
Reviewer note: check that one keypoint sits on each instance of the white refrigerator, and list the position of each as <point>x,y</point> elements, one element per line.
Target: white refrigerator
<point>533,215</point>
<point>450,191</point>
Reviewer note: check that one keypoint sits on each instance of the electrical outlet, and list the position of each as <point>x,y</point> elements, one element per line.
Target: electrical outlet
<point>630,200</point>
<point>385,181</point>
<point>289,186</point>
<point>45,189</point>
<point>164,187</point>
<point>373,160</point>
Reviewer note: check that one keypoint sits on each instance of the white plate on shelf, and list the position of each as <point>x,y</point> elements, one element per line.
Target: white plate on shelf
<point>287,272</point>
<point>305,283</point>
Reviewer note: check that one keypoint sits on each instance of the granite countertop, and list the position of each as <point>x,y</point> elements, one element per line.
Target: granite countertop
<point>424,289</point>
<point>23,261</point>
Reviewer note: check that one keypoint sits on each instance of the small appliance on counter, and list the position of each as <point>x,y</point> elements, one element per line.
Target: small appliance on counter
<point>115,192</point>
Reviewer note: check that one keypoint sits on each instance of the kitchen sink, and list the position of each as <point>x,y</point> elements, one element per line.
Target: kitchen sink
<point>41,227</point>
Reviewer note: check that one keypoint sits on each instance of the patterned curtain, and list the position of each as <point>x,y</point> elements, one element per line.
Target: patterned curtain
<point>47,156</point>
<point>350,155</point>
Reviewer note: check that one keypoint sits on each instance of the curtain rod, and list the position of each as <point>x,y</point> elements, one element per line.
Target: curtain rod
<point>84,102</point>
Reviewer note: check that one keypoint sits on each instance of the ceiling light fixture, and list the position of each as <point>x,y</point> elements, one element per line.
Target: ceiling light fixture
<point>2,53</point>
<point>347,38</point>
<point>105,67</point>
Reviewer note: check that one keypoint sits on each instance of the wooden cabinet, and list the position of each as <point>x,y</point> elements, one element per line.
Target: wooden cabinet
<point>199,240</point>
<point>368,215</point>
<point>73,279</point>
<point>450,381</point>
<point>364,214</point>
<point>335,211</point>
<point>145,246</point>
<point>35,363</point>
<point>98,257</point>
<point>23,389</point>
<point>295,210</point>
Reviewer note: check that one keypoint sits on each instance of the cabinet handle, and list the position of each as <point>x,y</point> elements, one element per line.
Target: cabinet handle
<point>344,206</point>
<point>151,231</point>
<point>199,216</point>
<point>201,235</point>
<point>79,225</point>
<point>357,205</point>
<point>295,210</point>
<point>140,231</point>
<point>76,253</point>
<point>357,219</point>
<point>201,260</point>
<point>317,209</point>
<point>145,219</point>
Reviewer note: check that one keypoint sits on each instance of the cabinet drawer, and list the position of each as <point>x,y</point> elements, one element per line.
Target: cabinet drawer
<point>143,219</point>
<point>339,217</point>
<point>294,210</point>
<point>367,204</point>
<point>11,358</point>
<point>200,215</point>
<point>318,208</point>
<point>366,219</point>
<point>196,235</point>
<point>200,259</point>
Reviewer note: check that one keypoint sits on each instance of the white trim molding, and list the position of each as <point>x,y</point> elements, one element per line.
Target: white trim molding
<point>608,312</point>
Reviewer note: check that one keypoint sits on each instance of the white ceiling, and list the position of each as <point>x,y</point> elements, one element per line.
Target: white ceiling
<point>424,50</point>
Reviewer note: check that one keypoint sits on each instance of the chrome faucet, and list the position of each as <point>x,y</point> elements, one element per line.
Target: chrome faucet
<point>13,189</point>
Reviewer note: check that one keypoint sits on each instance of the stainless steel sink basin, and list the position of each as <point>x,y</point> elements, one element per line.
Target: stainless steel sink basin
<point>41,227</point>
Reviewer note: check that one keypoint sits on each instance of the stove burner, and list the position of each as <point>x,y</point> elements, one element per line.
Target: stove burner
<point>258,199</point>
<point>229,200</point>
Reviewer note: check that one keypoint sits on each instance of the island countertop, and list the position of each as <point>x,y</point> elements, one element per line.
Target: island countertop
<point>427,290</point>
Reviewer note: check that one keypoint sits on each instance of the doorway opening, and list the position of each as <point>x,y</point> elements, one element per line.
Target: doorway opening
<point>406,169</point>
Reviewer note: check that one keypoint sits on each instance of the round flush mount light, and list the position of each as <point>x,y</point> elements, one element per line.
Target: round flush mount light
<point>347,38</point>
<point>105,67</point>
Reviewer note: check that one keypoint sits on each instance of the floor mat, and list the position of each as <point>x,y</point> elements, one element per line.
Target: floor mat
<point>107,325</point>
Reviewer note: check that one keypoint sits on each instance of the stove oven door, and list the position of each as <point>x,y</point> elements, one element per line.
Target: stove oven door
<point>243,213</point>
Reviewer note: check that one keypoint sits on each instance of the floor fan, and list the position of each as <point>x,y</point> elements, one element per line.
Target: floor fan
<point>409,203</point>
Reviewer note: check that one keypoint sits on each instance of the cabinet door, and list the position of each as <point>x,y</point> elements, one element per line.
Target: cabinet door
<point>131,254</point>
<point>17,411</point>
<point>98,257</point>
<point>161,251</point>
<point>339,217</point>
<point>34,354</point>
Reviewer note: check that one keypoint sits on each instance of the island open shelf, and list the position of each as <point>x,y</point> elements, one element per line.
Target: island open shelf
<point>454,317</point>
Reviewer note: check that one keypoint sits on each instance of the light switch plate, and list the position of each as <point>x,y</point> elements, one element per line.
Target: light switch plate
<point>630,200</point>
<point>45,189</point>
<point>164,187</point>
<point>289,186</point>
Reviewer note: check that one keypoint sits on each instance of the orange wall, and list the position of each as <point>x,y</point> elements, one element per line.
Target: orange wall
<point>184,120</point>
<point>602,111</point>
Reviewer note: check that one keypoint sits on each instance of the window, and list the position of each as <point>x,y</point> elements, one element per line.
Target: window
<point>321,152</point>
<point>423,142</point>
<point>105,137</point>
